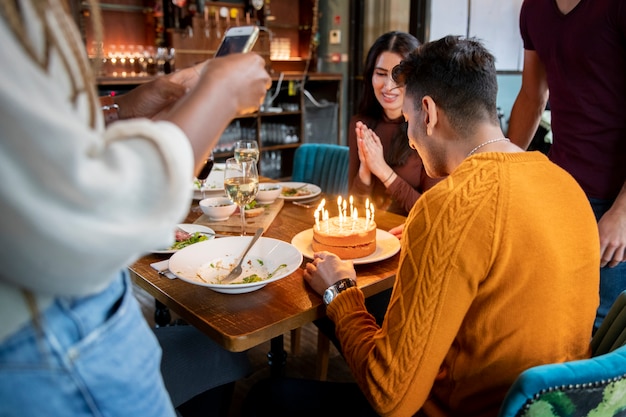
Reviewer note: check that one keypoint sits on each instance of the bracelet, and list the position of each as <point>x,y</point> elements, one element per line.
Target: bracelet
<point>390,175</point>
<point>110,110</point>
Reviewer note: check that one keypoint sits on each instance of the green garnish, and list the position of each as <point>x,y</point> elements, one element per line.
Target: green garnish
<point>256,278</point>
<point>250,205</point>
<point>251,278</point>
<point>281,266</point>
<point>195,238</point>
<point>289,191</point>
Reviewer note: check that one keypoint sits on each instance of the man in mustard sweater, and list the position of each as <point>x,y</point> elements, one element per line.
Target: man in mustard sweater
<point>498,270</point>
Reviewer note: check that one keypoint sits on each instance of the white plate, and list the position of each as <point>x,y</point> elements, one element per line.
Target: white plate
<point>214,185</point>
<point>387,245</point>
<point>312,188</point>
<point>204,257</point>
<point>191,229</point>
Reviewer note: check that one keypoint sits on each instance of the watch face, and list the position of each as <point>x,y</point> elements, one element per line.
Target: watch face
<point>257,4</point>
<point>329,294</point>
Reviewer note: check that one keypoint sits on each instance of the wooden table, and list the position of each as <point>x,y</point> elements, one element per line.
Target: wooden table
<point>242,321</point>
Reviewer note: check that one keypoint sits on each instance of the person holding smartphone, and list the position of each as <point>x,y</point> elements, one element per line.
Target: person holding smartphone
<point>81,200</point>
<point>238,39</point>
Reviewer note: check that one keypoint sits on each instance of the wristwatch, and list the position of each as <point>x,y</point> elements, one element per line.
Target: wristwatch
<point>110,109</point>
<point>339,286</point>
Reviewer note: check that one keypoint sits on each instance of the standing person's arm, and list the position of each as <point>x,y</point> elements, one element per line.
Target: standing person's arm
<point>155,98</point>
<point>530,102</point>
<point>612,227</point>
<point>188,96</point>
<point>228,86</point>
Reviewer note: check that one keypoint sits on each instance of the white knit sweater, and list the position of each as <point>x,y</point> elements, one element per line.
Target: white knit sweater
<point>77,204</point>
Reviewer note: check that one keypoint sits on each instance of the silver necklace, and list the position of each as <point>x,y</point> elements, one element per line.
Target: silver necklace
<point>487,143</point>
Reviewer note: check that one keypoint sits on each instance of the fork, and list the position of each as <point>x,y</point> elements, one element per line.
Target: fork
<point>236,271</point>
<point>306,203</point>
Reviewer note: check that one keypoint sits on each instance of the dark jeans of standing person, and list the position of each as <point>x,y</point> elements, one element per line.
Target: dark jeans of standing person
<point>289,397</point>
<point>612,280</point>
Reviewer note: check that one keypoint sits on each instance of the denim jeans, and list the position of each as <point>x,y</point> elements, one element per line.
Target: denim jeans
<point>612,280</point>
<point>90,356</point>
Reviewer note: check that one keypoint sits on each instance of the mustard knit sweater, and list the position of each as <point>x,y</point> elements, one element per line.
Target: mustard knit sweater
<point>499,271</point>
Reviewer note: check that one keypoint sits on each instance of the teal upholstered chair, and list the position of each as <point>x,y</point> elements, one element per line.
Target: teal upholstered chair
<point>325,165</point>
<point>588,387</point>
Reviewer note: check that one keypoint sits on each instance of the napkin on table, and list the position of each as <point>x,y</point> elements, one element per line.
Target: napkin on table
<point>163,266</point>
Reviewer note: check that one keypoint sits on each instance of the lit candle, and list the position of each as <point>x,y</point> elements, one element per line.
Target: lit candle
<point>339,208</point>
<point>351,201</point>
<point>317,219</point>
<point>345,205</point>
<point>326,220</point>
<point>367,218</point>
<point>372,209</point>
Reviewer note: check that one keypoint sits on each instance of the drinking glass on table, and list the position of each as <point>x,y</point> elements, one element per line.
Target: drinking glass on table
<point>204,175</point>
<point>241,181</point>
<point>247,148</point>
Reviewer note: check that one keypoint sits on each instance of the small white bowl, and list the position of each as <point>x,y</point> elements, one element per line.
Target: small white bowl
<point>268,192</point>
<point>218,208</point>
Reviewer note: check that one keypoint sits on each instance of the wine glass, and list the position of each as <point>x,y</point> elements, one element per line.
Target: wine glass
<point>241,181</point>
<point>204,175</point>
<point>204,172</point>
<point>247,148</point>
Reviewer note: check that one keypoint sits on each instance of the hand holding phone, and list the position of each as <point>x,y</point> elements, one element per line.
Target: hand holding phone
<point>238,39</point>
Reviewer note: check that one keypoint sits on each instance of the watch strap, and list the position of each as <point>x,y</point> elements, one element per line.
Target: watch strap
<point>344,284</point>
<point>110,109</point>
<point>337,288</point>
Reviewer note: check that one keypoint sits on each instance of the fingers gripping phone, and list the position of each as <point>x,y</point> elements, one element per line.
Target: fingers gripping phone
<point>238,39</point>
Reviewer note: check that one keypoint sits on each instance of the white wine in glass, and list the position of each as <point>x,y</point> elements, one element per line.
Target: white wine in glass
<point>241,181</point>
<point>247,149</point>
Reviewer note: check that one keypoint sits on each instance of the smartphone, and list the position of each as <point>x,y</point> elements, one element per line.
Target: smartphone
<point>238,39</point>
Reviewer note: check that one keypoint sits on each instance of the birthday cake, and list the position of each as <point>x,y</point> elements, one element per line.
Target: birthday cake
<point>346,237</point>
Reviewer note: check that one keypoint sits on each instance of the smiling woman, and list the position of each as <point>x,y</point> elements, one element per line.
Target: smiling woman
<point>382,166</point>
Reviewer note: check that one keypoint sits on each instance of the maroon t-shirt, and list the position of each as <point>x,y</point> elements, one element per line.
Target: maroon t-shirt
<point>584,53</point>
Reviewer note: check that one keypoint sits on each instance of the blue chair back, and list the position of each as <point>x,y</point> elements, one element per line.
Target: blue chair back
<point>588,387</point>
<point>595,386</point>
<point>325,165</point>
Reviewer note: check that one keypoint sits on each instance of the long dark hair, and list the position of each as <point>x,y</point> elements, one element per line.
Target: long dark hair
<point>370,109</point>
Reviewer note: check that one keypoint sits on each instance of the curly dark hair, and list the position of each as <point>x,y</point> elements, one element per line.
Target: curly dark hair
<point>458,73</point>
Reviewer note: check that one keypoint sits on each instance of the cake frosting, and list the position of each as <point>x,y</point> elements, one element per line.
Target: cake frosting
<point>346,237</point>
